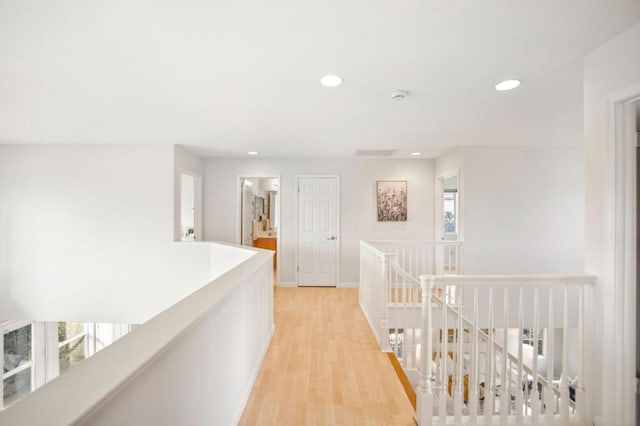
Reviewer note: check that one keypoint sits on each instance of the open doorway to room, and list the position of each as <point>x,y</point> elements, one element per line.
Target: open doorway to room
<point>259,219</point>
<point>190,206</point>
<point>448,215</point>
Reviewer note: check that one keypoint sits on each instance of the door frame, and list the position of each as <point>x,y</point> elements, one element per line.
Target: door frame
<point>296,223</point>
<point>438,204</point>
<point>279,209</point>
<point>619,255</point>
<point>198,202</point>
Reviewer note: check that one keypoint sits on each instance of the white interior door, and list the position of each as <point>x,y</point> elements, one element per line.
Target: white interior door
<point>317,231</point>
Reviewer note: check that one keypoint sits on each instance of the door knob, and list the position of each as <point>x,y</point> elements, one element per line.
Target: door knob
<point>332,238</point>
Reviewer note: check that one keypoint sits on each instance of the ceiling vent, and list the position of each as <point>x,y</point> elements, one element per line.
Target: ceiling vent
<point>374,152</point>
<point>399,95</point>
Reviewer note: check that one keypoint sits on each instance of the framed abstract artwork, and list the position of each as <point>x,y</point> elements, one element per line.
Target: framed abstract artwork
<point>392,200</point>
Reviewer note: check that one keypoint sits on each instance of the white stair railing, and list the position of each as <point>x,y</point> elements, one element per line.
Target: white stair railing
<point>389,287</point>
<point>478,371</point>
<point>484,382</point>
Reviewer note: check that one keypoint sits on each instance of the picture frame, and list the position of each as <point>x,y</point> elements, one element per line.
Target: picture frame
<point>391,200</point>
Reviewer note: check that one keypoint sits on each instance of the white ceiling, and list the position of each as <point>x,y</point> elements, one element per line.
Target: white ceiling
<point>233,76</point>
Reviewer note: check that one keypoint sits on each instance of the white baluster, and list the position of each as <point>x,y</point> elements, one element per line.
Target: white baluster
<point>549,399</point>
<point>425,393</point>
<point>505,398</point>
<point>459,396</point>
<point>519,390</point>
<point>581,407</point>
<point>384,304</point>
<point>488,381</point>
<point>444,394</point>
<point>534,395</point>
<point>473,374</point>
<point>403,258</point>
<point>564,378</point>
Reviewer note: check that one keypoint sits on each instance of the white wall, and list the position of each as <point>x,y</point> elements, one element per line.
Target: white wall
<point>86,234</point>
<point>357,202</point>
<point>449,162</point>
<point>522,208</point>
<point>608,69</point>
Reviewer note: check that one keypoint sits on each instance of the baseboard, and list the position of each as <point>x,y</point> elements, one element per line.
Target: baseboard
<point>339,285</point>
<point>348,285</point>
<point>254,376</point>
<point>404,380</point>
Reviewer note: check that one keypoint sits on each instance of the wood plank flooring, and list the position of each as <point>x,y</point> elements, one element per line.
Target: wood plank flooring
<point>324,367</point>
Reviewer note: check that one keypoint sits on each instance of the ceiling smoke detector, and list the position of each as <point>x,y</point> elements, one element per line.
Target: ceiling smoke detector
<point>398,95</point>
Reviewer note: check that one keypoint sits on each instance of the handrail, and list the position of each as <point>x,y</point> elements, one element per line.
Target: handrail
<point>515,280</point>
<point>434,242</point>
<point>396,267</point>
<point>374,249</point>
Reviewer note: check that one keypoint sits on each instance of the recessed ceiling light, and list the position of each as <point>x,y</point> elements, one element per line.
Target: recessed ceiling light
<point>252,152</point>
<point>507,85</point>
<point>415,154</point>
<point>331,80</point>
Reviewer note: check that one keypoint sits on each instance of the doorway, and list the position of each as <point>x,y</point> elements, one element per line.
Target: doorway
<point>318,231</point>
<point>448,216</point>
<point>190,206</point>
<point>259,224</point>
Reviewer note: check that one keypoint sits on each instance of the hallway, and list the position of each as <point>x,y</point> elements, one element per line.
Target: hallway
<point>324,367</point>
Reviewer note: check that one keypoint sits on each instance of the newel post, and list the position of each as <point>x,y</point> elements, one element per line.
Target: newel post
<point>424,406</point>
<point>387,258</point>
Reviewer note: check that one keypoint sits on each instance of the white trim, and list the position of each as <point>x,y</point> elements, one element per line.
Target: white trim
<point>348,285</point>
<point>438,204</point>
<point>619,262</point>
<point>239,195</point>
<point>198,202</point>
<point>17,370</point>
<point>52,363</point>
<point>287,284</point>
<point>297,215</point>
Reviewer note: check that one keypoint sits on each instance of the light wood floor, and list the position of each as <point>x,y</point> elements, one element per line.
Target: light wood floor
<point>324,366</point>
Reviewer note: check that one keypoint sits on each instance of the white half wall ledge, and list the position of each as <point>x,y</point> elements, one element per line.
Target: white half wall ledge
<point>121,384</point>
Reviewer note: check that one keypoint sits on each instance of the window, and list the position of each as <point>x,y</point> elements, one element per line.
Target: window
<point>72,344</point>
<point>537,342</point>
<point>450,206</point>
<point>17,366</point>
<point>36,352</point>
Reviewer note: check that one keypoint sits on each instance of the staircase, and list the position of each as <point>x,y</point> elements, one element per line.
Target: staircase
<point>515,344</point>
